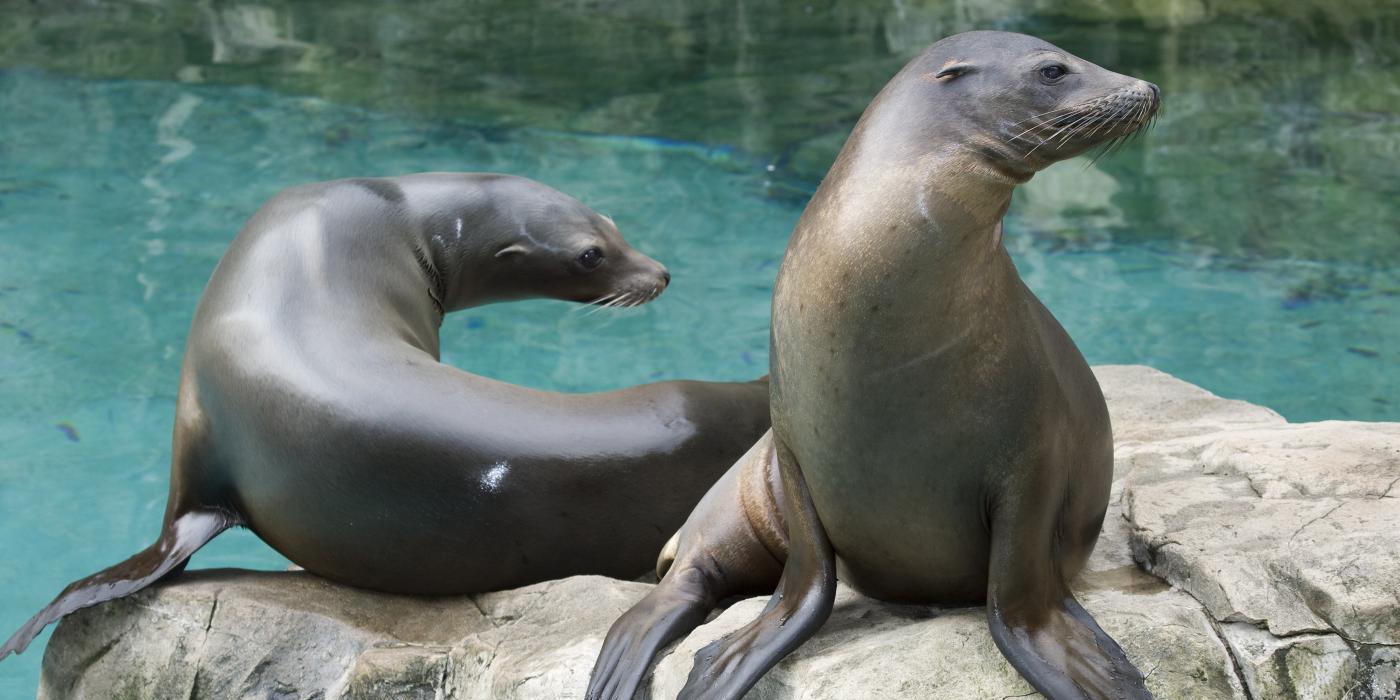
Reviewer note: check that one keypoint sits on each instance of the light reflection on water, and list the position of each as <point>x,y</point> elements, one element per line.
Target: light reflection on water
<point>1280,136</point>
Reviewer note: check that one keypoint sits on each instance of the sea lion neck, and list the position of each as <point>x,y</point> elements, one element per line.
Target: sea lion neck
<point>917,156</point>
<point>455,242</point>
<point>952,202</point>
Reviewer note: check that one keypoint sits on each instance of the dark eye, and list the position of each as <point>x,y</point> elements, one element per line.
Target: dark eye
<point>1053,72</point>
<point>590,258</point>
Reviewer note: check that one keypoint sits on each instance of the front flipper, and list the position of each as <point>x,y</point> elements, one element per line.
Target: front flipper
<point>1039,626</point>
<point>676,606</point>
<point>718,554</point>
<point>730,666</point>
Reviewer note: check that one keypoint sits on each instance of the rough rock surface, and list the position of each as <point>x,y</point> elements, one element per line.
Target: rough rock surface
<point>1276,546</point>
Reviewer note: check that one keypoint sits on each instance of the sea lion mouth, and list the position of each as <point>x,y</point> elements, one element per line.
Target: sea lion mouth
<point>1107,121</point>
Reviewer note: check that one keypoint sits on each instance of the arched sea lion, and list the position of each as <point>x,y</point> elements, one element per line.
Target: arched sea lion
<point>937,437</point>
<point>313,408</point>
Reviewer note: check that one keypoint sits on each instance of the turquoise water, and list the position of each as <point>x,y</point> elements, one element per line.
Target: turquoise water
<point>1205,250</point>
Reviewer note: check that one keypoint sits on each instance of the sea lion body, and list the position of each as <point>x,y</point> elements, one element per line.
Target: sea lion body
<point>974,399</point>
<point>937,437</point>
<point>314,410</point>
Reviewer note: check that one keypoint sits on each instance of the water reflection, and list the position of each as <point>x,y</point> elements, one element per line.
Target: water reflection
<point>1280,135</point>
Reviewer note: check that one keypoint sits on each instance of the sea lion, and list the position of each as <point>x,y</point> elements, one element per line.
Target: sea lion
<point>313,409</point>
<point>937,437</point>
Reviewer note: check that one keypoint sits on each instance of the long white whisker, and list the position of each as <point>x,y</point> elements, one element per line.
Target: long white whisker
<point>620,301</point>
<point>1101,120</point>
<point>1051,111</point>
<point>591,306</point>
<point>643,298</point>
<point>616,299</point>
<point>1075,113</point>
<point>1046,123</point>
<point>1117,113</point>
<point>1057,132</point>
<point>1105,120</point>
<point>1139,115</point>
<point>1096,118</point>
<point>1076,126</point>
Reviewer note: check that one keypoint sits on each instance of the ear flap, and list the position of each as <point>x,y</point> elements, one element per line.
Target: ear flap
<point>953,70</point>
<point>512,249</point>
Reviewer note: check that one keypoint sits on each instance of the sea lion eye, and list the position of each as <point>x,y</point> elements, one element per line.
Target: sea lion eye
<point>1053,72</point>
<point>590,258</point>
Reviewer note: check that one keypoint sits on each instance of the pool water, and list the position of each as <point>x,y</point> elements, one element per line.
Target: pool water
<point>117,197</point>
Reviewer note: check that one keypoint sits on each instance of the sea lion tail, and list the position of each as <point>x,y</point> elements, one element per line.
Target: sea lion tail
<point>178,540</point>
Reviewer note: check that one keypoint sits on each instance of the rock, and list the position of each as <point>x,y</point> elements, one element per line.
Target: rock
<point>1306,665</point>
<point>408,672</point>
<point>1147,405</point>
<point>870,649</point>
<point>228,633</point>
<point>1274,544</point>
<point>1286,527</point>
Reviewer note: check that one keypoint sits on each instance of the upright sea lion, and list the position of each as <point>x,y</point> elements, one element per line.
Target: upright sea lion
<point>313,408</point>
<point>937,437</point>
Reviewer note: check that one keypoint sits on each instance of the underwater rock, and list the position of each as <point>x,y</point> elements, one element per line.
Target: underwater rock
<point>1275,540</point>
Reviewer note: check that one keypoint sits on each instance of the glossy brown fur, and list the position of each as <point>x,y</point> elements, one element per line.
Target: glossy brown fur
<point>937,437</point>
<point>313,408</point>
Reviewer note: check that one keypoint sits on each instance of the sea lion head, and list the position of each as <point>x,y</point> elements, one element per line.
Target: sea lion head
<point>549,245</point>
<point>1022,103</point>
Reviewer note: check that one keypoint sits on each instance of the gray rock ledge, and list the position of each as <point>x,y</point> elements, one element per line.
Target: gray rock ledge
<point>1243,557</point>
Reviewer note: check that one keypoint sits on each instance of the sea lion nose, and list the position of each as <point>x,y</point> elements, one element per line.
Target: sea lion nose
<point>665,277</point>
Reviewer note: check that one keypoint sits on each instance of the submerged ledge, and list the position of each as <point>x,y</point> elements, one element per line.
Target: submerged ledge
<point>1271,546</point>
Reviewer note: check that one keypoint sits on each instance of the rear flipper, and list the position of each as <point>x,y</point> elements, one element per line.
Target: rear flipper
<point>718,553</point>
<point>1039,626</point>
<point>179,539</point>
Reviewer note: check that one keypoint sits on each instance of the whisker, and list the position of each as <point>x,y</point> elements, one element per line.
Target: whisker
<point>617,299</point>
<point>1087,120</point>
<point>1134,122</point>
<point>652,294</point>
<point>1049,123</point>
<point>1057,133</point>
<point>589,307</point>
<point>1057,109</point>
<point>1078,126</point>
<point>1088,110</point>
<point>1071,112</point>
<point>1110,119</point>
<point>1041,125</point>
<point>1138,120</point>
